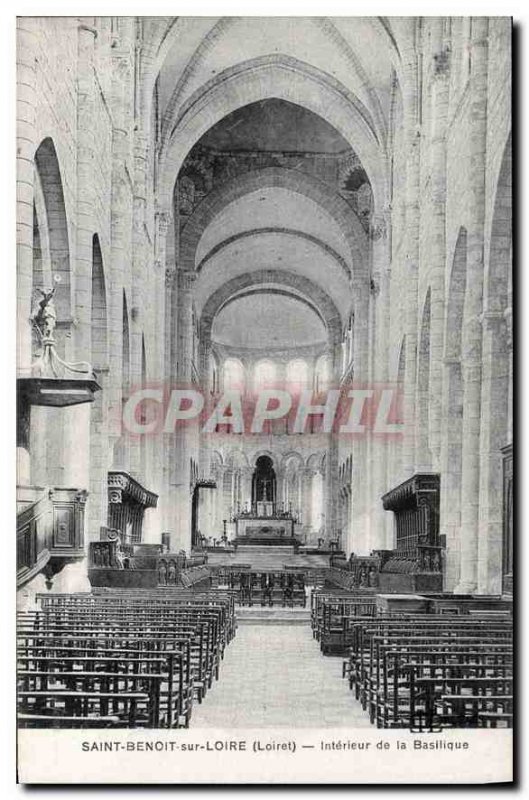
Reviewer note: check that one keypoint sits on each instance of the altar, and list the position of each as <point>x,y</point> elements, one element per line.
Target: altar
<point>264,524</point>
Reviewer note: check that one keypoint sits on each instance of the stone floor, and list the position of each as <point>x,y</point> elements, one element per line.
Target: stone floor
<point>275,676</point>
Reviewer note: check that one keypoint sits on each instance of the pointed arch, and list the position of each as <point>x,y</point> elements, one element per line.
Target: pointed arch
<point>286,78</point>
<point>50,181</point>
<point>99,322</point>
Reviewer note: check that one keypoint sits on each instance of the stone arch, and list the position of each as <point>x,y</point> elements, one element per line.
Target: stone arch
<point>285,78</point>
<point>216,459</point>
<point>326,306</point>
<point>316,461</point>
<point>49,176</point>
<point>327,249</point>
<point>50,268</point>
<point>292,456</point>
<point>329,30</point>
<point>99,308</point>
<point>236,459</point>
<point>162,34</point>
<point>98,412</point>
<point>42,275</point>
<point>264,452</point>
<point>276,177</point>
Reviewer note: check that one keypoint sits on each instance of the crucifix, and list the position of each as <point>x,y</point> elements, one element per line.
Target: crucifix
<point>266,482</point>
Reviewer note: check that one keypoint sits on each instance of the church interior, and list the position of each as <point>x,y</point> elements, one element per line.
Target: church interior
<point>243,207</point>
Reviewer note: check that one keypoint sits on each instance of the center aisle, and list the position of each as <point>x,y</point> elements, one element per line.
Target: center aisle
<point>275,676</point>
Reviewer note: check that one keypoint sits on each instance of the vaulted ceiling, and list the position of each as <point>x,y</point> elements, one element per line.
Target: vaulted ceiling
<point>274,133</point>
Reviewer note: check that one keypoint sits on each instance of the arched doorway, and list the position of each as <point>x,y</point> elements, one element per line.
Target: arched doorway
<point>264,484</point>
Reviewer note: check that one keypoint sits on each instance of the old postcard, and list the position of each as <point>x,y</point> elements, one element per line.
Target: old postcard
<point>264,400</point>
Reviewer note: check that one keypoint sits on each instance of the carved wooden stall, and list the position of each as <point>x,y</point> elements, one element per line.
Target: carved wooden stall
<point>127,501</point>
<point>416,563</point>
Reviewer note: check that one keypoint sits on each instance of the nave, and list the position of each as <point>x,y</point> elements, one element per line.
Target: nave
<point>274,676</point>
<point>285,223</point>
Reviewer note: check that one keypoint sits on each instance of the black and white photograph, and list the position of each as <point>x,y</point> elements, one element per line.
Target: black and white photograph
<point>264,388</point>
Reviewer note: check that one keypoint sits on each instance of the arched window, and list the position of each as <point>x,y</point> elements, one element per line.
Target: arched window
<point>233,373</point>
<point>297,373</point>
<point>264,375</point>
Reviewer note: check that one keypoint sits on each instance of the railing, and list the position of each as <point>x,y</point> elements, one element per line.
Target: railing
<point>174,569</point>
<point>50,530</point>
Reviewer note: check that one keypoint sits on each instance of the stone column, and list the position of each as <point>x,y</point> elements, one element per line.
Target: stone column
<point>472,332</point>
<point>437,229</point>
<point>76,419</point>
<point>169,503</point>
<point>121,228</point>
<point>156,474</point>
<point>219,504</point>
<point>141,278</point>
<point>280,484</point>
<point>411,249</point>
<point>494,436</point>
<point>184,300</point>
<point>306,493</point>
<point>27,46</point>
<point>378,445</point>
<point>185,435</point>
<point>247,475</point>
<point>450,497</point>
<point>86,155</point>
<point>331,487</point>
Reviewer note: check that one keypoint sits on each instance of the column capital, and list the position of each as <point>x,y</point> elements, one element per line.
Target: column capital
<point>83,26</point>
<point>374,286</point>
<point>163,220</point>
<point>491,318</point>
<point>185,278</point>
<point>449,361</point>
<point>441,62</point>
<point>170,273</point>
<point>378,227</point>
